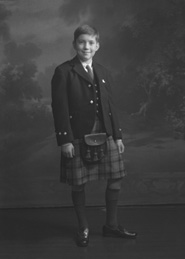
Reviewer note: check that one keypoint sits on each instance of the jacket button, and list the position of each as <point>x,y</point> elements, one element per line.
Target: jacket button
<point>89,86</point>
<point>91,101</point>
<point>65,133</point>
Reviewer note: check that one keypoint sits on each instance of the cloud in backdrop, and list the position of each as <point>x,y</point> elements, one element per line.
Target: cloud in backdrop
<point>38,22</point>
<point>43,30</point>
<point>50,24</point>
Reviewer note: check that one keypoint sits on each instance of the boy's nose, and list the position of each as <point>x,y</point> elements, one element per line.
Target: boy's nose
<point>87,45</point>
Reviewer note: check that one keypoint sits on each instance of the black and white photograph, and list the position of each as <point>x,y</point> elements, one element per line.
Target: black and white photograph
<point>92,129</point>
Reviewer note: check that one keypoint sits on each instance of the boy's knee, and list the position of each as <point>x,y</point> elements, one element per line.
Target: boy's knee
<point>78,188</point>
<point>114,184</point>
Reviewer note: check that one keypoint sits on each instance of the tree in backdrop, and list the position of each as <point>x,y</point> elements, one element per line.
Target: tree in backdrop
<point>24,118</point>
<point>154,46</point>
<point>18,84</point>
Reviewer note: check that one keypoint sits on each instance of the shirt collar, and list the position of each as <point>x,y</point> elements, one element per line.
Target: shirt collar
<point>85,64</point>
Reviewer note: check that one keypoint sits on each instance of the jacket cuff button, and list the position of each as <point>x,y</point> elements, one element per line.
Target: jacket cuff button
<point>65,133</point>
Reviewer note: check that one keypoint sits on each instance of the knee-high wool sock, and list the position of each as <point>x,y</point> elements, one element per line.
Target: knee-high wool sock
<point>111,198</point>
<point>78,198</point>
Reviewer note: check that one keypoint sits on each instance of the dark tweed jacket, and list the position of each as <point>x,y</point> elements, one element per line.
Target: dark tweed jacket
<point>74,101</point>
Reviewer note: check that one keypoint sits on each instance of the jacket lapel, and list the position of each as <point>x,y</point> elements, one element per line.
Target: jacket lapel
<point>99,74</point>
<point>78,68</point>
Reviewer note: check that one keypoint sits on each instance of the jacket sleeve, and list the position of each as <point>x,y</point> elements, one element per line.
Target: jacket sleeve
<point>60,107</point>
<point>117,131</point>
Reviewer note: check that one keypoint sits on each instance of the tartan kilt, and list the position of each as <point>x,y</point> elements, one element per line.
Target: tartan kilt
<point>75,172</point>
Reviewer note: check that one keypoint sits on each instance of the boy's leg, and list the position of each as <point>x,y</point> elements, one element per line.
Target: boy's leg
<point>78,198</point>
<point>111,198</point>
<point>112,229</point>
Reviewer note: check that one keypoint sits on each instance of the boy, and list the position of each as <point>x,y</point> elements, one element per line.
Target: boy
<point>82,105</point>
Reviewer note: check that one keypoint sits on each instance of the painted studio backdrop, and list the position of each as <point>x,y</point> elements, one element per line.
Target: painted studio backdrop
<point>143,44</point>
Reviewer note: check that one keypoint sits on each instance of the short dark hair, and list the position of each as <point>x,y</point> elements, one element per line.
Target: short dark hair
<point>86,29</point>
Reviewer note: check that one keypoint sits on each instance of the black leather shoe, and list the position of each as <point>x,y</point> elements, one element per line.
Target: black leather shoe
<point>118,232</point>
<point>82,237</point>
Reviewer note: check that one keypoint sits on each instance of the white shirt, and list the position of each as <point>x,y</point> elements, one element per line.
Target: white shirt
<point>84,64</point>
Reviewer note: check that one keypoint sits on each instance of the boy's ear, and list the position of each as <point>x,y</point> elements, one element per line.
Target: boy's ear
<point>97,46</point>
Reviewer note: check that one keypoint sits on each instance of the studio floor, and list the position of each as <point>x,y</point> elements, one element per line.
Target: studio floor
<point>49,233</point>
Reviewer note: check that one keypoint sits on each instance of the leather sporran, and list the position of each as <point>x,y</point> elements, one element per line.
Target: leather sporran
<point>94,147</point>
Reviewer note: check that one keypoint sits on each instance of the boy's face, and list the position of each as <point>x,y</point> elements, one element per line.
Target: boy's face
<point>86,46</point>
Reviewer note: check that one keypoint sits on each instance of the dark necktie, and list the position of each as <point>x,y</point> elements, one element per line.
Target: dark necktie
<point>90,72</point>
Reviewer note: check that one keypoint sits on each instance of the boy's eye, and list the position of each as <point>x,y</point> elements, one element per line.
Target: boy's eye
<point>84,42</point>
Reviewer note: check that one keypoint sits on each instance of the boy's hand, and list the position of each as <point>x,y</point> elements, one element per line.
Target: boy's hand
<point>68,150</point>
<point>120,145</point>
